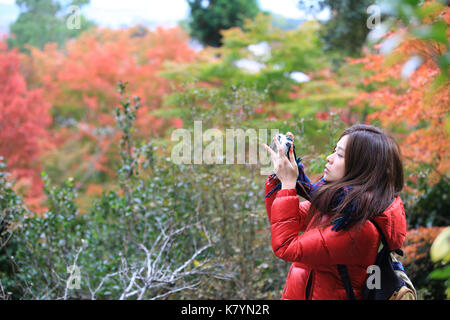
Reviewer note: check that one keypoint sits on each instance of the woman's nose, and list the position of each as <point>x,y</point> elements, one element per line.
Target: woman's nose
<point>329,158</point>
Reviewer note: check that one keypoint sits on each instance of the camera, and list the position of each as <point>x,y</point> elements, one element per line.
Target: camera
<point>285,141</point>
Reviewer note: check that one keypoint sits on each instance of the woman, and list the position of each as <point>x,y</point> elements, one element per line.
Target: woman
<point>361,181</point>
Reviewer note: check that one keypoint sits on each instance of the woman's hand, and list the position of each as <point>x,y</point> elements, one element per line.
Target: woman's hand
<point>285,168</point>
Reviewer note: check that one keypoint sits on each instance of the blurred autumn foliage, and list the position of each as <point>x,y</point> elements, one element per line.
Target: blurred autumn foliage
<point>24,122</point>
<point>418,242</point>
<point>94,170</point>
<point>418,263</point>
<point>79,83</point>
<point>416,103</point>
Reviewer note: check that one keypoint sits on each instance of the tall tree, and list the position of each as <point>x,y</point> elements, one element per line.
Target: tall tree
<point>346,30</point>
<point>43,21</point>
<point>208,17</point>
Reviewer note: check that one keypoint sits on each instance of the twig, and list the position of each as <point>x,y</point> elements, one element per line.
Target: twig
<point>71,272</point>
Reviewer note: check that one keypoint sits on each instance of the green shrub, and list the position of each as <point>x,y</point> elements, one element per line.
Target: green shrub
<point>139,242</point>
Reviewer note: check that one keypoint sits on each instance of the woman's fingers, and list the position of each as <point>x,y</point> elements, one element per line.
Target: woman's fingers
<point>292,158</point>
<point>285,165</point>
<point>279,147</point>
<point>272,153</point>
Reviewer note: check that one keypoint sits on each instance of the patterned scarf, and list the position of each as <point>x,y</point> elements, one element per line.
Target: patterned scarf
<point>306,189</point>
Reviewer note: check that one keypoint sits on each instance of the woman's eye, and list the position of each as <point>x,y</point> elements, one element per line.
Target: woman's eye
<point>339,155</point>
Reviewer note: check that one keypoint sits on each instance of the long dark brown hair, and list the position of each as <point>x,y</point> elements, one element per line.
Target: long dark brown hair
<point>373,171</point>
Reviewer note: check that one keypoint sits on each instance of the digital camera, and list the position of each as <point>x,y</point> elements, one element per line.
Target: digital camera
<point>285,141</point>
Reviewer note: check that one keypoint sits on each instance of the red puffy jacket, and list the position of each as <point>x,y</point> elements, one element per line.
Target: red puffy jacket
<point>315,252</point>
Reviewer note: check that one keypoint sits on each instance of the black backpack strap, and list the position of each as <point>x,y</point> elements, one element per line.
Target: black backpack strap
<point>343,272</point>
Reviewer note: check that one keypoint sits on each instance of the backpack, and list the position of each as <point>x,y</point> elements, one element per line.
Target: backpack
<point>394,284</point>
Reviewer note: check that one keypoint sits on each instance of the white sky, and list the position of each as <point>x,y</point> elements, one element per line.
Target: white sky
<point>116,13</point>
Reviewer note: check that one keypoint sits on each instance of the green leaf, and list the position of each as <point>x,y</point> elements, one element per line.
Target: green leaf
<point>440,274</point>
<point>437,32</point>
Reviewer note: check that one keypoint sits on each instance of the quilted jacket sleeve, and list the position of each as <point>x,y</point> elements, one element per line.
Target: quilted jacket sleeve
<point>269,185</point>
<point>316,246</point>
<point>301,209</point>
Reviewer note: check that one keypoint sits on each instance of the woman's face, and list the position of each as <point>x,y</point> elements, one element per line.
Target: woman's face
<point>335,167</point>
